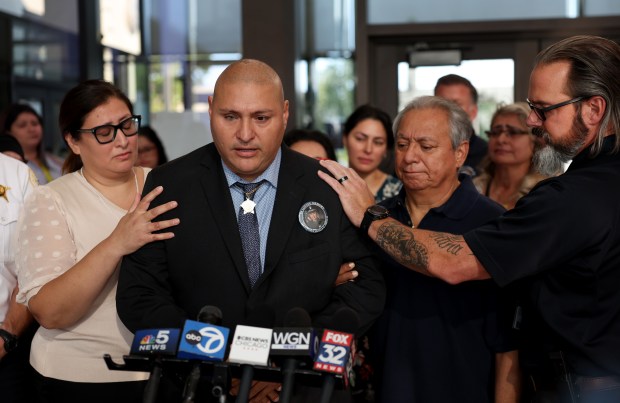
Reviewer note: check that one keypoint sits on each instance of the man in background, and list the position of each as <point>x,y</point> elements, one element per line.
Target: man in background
<point>461,91</point>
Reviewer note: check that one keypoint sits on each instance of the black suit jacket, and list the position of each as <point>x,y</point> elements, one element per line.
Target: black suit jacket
<point>166,282</point>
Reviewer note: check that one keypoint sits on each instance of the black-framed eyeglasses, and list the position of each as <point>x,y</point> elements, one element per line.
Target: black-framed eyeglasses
<point>105,134</point>
<point>540,112</point>
<point>510,131</point>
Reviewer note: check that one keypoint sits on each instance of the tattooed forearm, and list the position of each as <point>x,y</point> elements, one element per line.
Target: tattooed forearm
<point>451,243</point>
<point>398,241</point>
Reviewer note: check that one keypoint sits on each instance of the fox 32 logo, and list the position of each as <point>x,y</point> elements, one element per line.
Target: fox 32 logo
<point>208,340</point>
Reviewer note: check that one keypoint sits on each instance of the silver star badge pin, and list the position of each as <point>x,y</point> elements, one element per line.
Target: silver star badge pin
<point>248,206</point>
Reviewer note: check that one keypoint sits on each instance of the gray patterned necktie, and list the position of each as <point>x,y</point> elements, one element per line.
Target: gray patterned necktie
<point>248,229</point>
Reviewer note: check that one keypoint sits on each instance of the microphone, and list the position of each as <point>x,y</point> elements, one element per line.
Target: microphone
<point>296,343</point>
<point>334,356</point>
<point>203,340</point>
<point>154,343</point>
<point>250,346</point>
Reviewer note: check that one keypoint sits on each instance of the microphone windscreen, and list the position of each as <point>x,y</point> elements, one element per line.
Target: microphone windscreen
<point>346,320</point>
<point>261,316</point>
<point>297,317</point>
<point>210,314</point>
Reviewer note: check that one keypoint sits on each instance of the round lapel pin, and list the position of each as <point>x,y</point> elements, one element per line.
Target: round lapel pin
<point>313,217</point>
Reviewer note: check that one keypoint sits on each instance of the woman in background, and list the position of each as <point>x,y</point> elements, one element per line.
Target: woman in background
<point>508,173</point>
<point>11,147</point>
<point>24,123</point>
<point>312,143</point>
<point>72,237</point>
<point>151,152</point>
<point>367,137</point>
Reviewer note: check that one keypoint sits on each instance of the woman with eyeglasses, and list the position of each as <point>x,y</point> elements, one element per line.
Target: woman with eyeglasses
<point>72,237</point>
<point>508,172</point>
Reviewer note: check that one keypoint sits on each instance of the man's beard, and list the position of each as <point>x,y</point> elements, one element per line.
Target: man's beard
<point>550,156</point>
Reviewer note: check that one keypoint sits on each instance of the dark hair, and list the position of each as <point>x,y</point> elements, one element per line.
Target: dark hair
<point>148,132</point>
<point>77,104</point>
<point>297,135</point>
<point>13,111</point>
<point>594,70</point>
<point>455,79</point>
<point>9,117</point>
<point>10,143</point>
<point>370,112</point>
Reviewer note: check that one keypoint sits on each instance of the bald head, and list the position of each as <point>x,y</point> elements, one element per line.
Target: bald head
<point>249,71</point>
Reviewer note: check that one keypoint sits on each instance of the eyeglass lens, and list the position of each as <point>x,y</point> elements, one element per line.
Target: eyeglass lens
<point>107,133</point>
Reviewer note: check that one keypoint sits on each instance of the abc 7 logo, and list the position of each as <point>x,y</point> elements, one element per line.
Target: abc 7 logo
<point>214,339</point>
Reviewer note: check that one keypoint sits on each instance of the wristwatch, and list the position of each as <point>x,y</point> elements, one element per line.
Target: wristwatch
<point>373,213</point>
<point>10,340</point>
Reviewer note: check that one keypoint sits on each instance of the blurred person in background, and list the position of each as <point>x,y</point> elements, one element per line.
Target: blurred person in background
<point>508,172</point>
<point>72,237</point>
<point>11,147</point>
<point>151,152</point>
<point>462,92</point>
<point>367,137</point>
<point>312,143</point>
<point>24,123</point>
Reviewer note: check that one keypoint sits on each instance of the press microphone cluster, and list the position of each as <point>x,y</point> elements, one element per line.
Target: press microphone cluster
<point>155,343</point>
<point>257,351</point>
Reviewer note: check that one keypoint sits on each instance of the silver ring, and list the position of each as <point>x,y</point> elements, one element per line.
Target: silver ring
<point>344,178</point>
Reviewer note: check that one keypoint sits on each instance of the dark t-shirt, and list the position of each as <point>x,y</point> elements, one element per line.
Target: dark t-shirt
<point>436,342</point>
<point>565,235</point>
<point>478,149</point>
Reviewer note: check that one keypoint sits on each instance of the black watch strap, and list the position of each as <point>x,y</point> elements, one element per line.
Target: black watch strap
<point>373,213</point>
<point>10,340</point>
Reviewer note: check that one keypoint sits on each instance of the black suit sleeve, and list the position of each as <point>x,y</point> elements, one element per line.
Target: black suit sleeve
<point>144,297</point>
<point>366,295</point>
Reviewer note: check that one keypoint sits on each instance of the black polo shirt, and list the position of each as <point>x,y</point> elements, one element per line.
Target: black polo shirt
<point>565,234</point>
<point>436,342</point>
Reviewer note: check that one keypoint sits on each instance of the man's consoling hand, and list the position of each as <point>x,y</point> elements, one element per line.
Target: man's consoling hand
<point>351,189</point>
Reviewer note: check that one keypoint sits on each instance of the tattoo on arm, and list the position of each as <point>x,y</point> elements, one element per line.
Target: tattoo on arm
<point>453,244</point>
<point>398,241</point>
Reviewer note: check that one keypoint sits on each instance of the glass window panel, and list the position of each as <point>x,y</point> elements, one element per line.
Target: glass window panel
<point>62,14</point>
<point>168,27</point>
<point>44,53</point>
<point>219,26</point>
<point>593,8</point>
<point>493,79</point>
<point>194,26</point>
<point>421,11</point>
<point>334,95</point>
<point>334,26</point>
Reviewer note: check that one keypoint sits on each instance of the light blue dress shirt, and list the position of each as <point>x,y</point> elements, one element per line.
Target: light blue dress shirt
<point>264,198</point>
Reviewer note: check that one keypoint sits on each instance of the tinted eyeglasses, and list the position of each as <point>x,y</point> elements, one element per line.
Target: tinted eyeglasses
<point>509,130</point>
<point>105,134</point>
<point>540,112</point>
